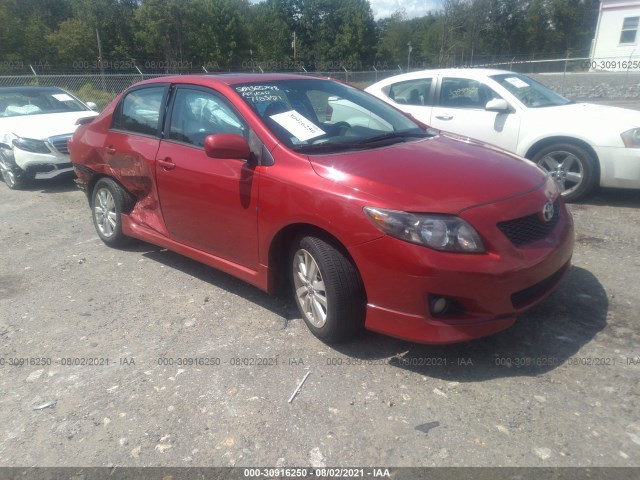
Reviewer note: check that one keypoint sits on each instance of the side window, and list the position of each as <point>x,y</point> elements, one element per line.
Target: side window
<point>197,114</point>
<point>139,111</point>
<point>411,92</point>
<point>465,93</point>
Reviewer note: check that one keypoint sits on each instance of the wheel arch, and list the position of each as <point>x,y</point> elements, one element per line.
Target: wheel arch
<point>280,248</point>
<point>545,142</point>
<point>94,179</point>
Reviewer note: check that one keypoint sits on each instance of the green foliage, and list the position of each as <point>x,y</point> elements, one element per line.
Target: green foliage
<point>165,35</point>
<point>73,41</point>
<point>88,93</point>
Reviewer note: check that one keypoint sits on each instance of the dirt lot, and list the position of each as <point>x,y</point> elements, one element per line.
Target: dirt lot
<point>141,357</point>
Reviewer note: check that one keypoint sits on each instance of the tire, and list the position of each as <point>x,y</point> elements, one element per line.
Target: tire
<point>13,176</point>
<point>574,169</point>
<point>108,201</point>
<point>327,289</point>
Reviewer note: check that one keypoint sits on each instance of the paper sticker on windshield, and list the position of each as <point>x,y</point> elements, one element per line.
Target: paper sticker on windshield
<point>516,82</point>
<point>62,97</point>
<point>298,125</point>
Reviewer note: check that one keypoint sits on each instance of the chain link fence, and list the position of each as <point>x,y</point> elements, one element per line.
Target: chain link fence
<point>102,88</point>
<point>577,78</point>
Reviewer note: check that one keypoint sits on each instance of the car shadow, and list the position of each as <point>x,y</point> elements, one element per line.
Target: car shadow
<point>541,340</point>
<point>61,184</point>
<point>281,307</point>
<point>612,197</point>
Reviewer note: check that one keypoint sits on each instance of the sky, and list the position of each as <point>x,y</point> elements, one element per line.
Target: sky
<point>413,8</point>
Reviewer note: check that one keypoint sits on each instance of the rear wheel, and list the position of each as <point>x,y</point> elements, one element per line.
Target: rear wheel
<point>328,290</point>
<point>572,167</point>
<point>108,201</point>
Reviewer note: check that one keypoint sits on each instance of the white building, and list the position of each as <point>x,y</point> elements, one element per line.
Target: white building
<point>616,46</point>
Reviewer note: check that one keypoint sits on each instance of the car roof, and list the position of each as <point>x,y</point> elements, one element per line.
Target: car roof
<point>228,78</point>
<point>466,72</point>
<point>29,88</point>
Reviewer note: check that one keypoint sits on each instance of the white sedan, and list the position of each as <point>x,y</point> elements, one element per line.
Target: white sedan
<point>580,145</point>
<point>35,124</point>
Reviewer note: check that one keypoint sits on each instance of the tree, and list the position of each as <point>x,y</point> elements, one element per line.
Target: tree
<point>73,41</point>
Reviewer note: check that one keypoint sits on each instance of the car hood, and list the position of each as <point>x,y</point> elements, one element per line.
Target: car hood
<point>443,174</point>
<point>591,116</point>
<point>42,126</point>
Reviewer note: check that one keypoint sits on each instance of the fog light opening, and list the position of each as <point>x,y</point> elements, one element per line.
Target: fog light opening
<point>440,306</point>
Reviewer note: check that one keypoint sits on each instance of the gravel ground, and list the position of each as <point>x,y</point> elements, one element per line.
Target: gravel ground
<point>560,388</point>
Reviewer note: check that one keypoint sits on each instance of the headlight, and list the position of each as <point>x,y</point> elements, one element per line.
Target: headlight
<point>31,145</point>
<point>447,233</point>
<point>631,138</point>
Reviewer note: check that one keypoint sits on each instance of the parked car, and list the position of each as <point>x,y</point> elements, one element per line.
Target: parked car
<point>35,124</point>
<point>378,227</point>
<point>580,145</point>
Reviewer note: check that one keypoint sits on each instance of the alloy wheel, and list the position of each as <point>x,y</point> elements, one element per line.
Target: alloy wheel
<point>104,210</point>
<point>309,288</point>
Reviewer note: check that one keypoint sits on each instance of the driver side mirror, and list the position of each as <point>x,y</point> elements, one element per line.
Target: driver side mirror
<point>92,106</point>
<point>497,105</point>
<point>227,145</point>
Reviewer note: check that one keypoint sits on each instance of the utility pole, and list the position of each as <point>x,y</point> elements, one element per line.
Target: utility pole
<point>293,45</point>
<point>409,56</point>
<point>104,87</point>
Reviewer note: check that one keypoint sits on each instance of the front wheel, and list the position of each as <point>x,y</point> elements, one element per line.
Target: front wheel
<point>328,290</point>
<point>108,201</point>
<point>13,176</point>
<point>572,167</point>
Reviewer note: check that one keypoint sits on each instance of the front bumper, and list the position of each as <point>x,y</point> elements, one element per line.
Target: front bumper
<point>45,165</point>
<point>491,288</point>
<point>620,167</point>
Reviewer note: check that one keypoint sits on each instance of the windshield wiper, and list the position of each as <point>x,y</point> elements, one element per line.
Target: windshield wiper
<point>396,136</point>
<point>327,147</point>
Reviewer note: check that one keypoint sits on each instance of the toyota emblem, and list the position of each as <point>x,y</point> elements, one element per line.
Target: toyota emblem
<point>547,212</point>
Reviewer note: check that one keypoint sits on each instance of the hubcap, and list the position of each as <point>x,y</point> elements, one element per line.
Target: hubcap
<point>104,211</point>
<point>310,290</point>
<point>565,168</point>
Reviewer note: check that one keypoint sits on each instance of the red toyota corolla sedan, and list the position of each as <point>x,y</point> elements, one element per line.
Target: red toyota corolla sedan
<point>369,218</point>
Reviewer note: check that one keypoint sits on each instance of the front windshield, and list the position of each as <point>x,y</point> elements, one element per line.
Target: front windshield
<point>321,116</point>
<point>530,92</point>
<point>16,103</point>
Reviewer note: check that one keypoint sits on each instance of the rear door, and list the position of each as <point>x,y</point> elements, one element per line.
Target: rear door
<point>413,96</point>
<point>132,142</point>
<point>207,203</point>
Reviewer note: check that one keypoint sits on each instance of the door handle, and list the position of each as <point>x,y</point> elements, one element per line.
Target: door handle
<point>110,150</point>
<point>167,163</point>
<point>444,117</point>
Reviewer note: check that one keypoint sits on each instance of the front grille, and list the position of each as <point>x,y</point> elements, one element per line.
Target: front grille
<point>524,230</point>
<point>60,143</point>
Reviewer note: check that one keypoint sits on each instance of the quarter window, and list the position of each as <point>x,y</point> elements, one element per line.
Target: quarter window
<point>139,111</point>
<point>629,30</point>
<point>198,114</point>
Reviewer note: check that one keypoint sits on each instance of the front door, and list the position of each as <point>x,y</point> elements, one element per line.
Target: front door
<point>207,203</point>
<point>460,108</point>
